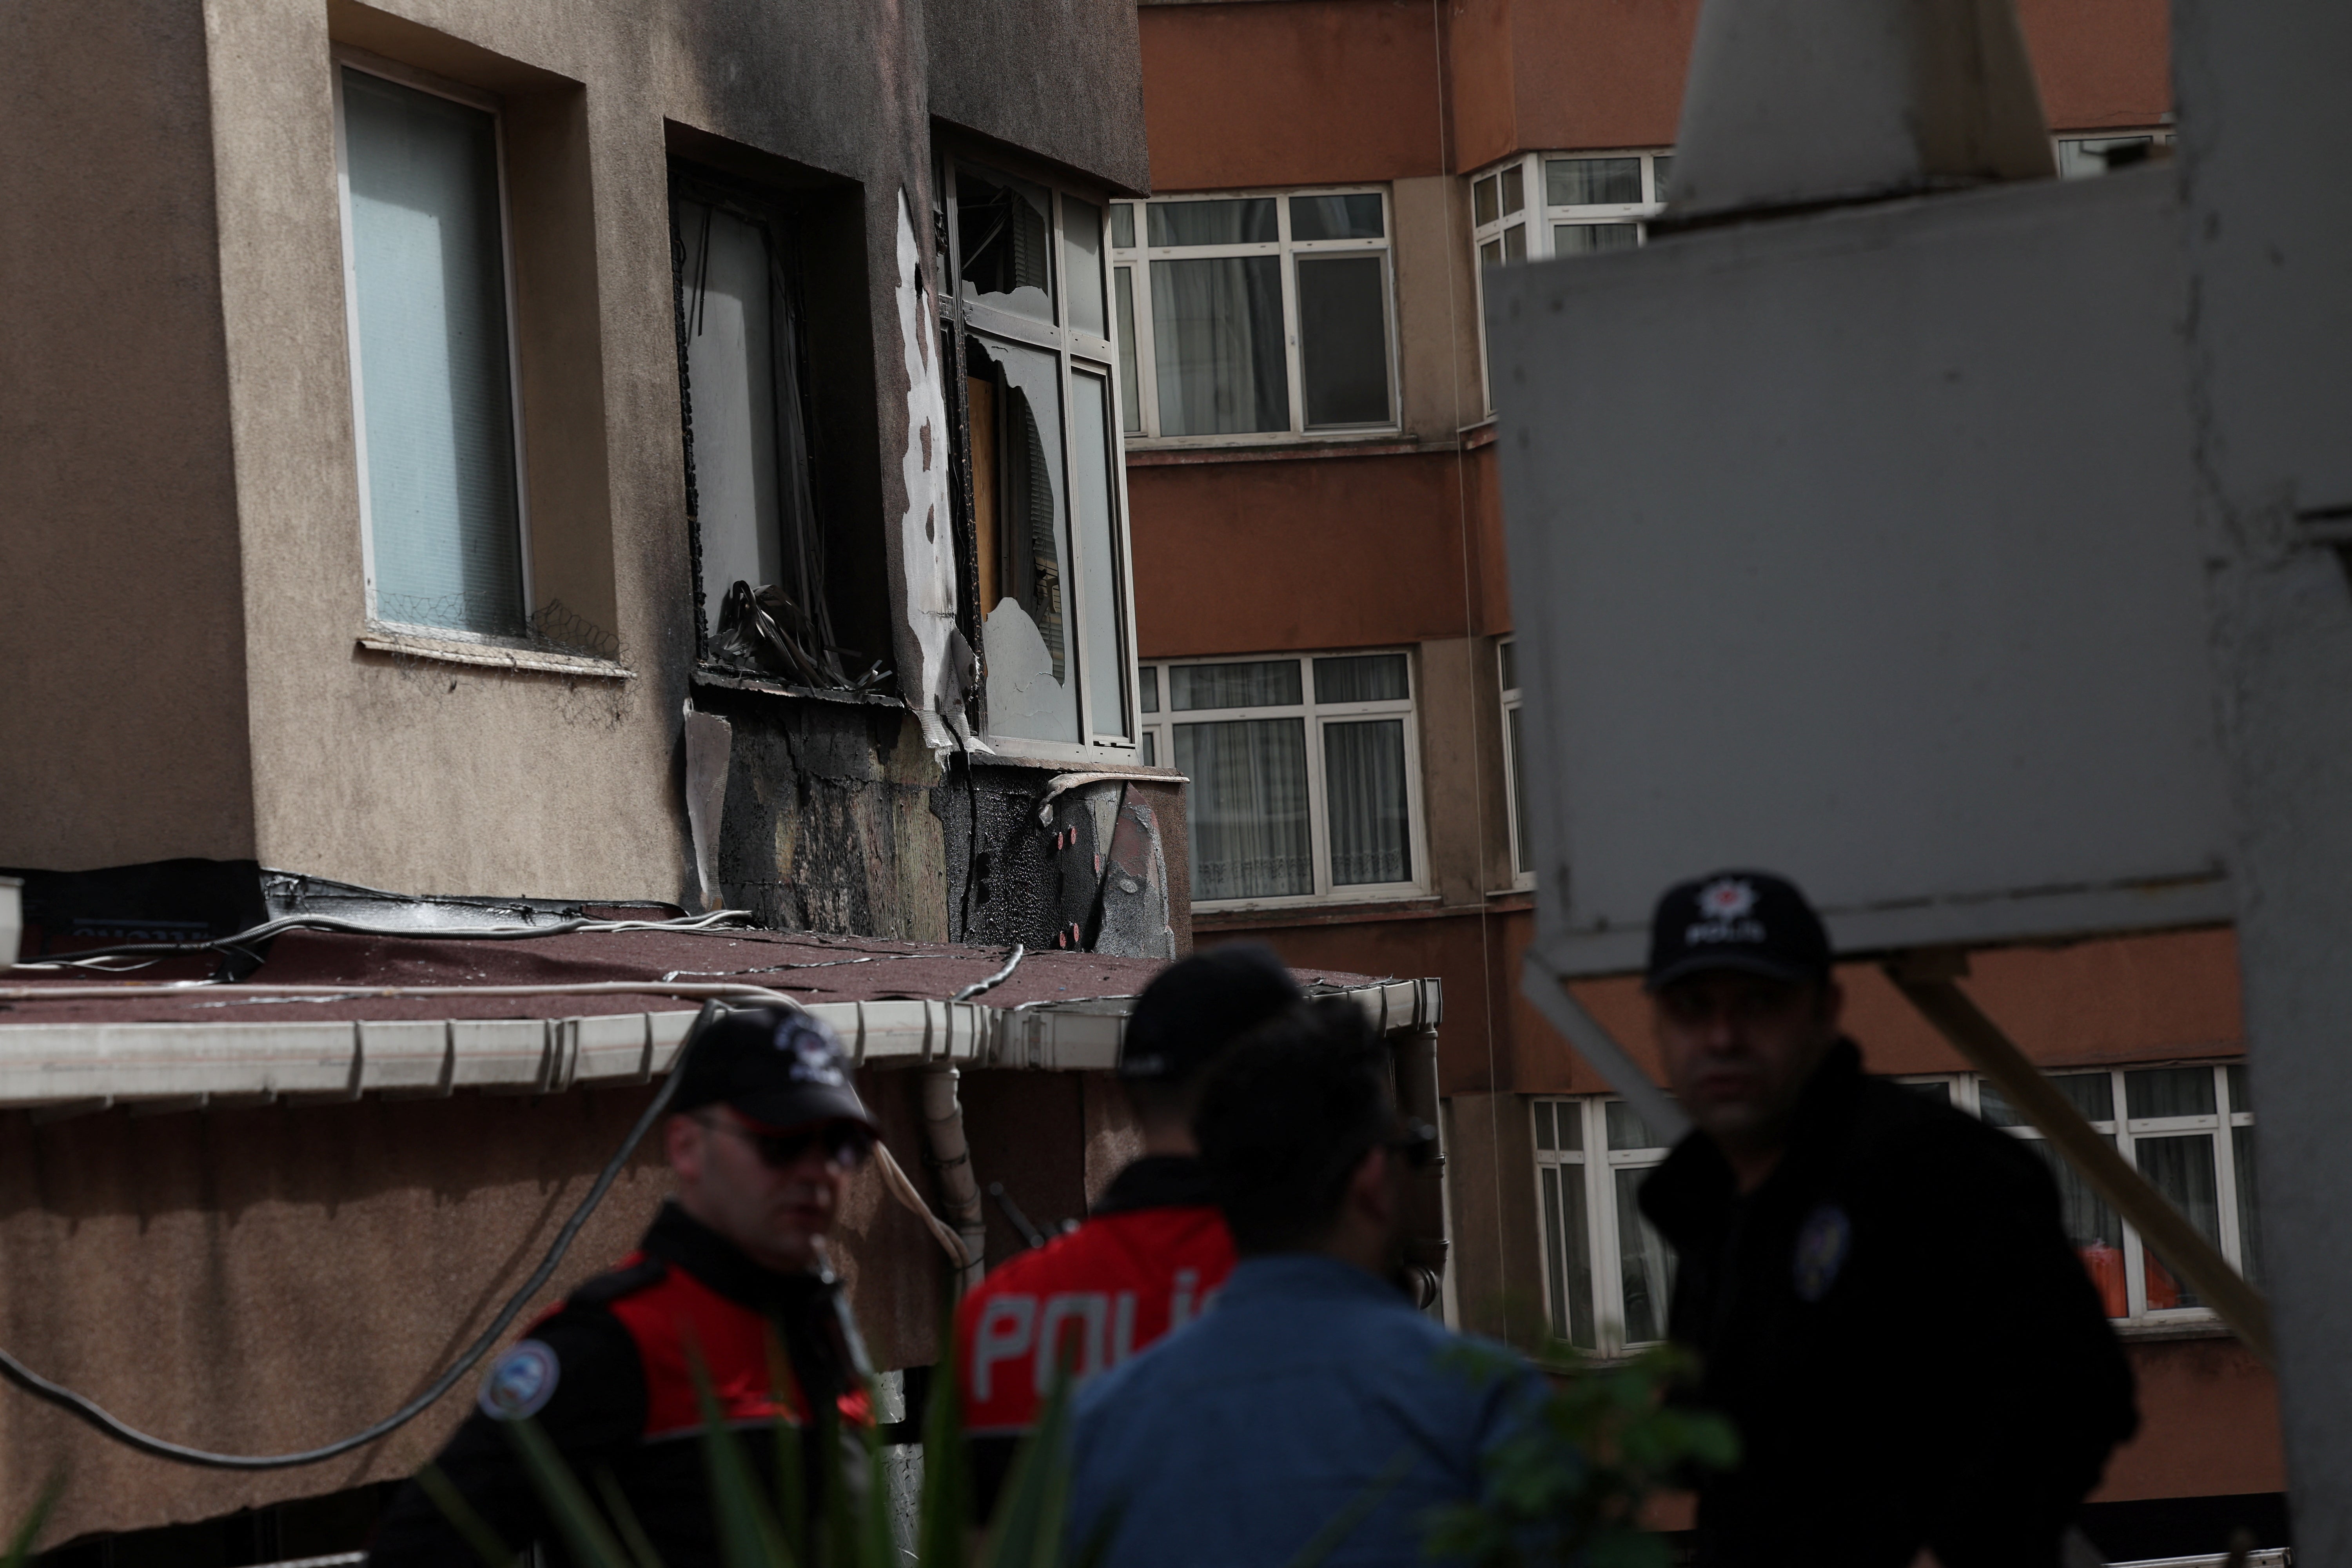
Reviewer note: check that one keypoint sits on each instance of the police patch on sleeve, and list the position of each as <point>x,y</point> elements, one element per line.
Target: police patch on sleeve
<point>1823,1242</point>
<point>521,1383</point>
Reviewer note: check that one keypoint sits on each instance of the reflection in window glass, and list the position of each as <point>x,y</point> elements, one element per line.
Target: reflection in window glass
<point>1130,388</point>
<point>1627,1130</point>
<point>1150,750</point>
<point>1491,253</point>
<point>1363,780</point>
<point>1645,1263</point>
<point>1241,220</point>
<point>1662,168</point>
<point>1593,182</point>
<point>2241,1099</point>
<point>2169,1092</point>
<point>1481,201</point>
<point>1356,215</point>
<point>1217,344</point>
<point>1247,806</point>
<point>1082,248</point>
<point>1268,683</point>
<point>2249,1233</point>
<point>1151,688</point>
<point>1510,663</point>
<point>1515,189</point>
<point>1586,239</point>
<point>1122,226</point>
<point>1091,456</point>
<point>430,309</point>
<point>1362,678</point>
<point>1343,339</point>
<point>1544,1140</point>
<point>1022,540</point>
<point>1515,243</point>
<point>1005,228</point>
<point>2182,1170</point>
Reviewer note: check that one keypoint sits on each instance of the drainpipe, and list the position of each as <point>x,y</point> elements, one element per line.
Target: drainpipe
<point>952,1156</point>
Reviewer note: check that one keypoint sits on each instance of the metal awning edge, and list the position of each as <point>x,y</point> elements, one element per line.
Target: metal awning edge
<point>64,1068</point>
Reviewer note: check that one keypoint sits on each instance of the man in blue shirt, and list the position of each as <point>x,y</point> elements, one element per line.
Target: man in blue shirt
<point>1313,1397</point>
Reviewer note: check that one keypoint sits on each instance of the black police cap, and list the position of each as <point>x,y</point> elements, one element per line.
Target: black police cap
<point>1198,1006</point>
<point>775,1067</point>
<point>1748,920</point>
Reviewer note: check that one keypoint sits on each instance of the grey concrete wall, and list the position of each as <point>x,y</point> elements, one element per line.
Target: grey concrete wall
<point>122,728</point>
<point>1061,78</point>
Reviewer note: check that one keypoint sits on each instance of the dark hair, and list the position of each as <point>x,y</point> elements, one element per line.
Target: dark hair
<point>1286,1116</point>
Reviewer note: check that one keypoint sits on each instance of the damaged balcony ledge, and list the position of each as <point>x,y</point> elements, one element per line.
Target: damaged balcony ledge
<point>488,653</point>
<point>1383,443</point>
<point>734,681</point>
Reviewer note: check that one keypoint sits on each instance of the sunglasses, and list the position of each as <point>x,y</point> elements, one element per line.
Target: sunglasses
<point>846,1144</point>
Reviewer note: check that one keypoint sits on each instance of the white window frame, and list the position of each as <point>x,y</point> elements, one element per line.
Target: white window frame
<point>1074,348</point>
<point>376,65</point>
<point>2156,135</point>
<point>1160,725</point>
<point>1523,874</point>
<point>1595,1165</point>
<point>1535,217</point>
<point>1964,1091</point>
<point>1136,260</point>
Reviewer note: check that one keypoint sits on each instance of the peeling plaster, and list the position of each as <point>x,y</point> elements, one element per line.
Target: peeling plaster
<point>937,686</point>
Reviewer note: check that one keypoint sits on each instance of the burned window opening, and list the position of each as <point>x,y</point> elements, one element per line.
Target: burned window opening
<point>1007,229</point>
<point>758,549</point>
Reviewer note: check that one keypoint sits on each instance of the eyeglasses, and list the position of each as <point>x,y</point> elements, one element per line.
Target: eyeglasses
<point>846,1144</point>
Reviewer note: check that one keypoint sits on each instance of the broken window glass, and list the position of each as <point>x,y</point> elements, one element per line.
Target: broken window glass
<point>1022,539</point>
<point>751,509</point>
<point>1005,228</point>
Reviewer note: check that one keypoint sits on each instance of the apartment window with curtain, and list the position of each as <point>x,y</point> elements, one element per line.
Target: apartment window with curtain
<point>1049,546</point>
<point>761,579</point>
<point>1255,317</point>
<point>1544,204</point>
<point>1515,764</point>
<point>427,285</point>
<point>1306,775</point>
<point>2082,157</point>
<point>1607,1276</point>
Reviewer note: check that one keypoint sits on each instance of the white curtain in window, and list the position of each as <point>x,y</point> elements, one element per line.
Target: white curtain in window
<point>1646,1265</point>
<point>1248,815</point>
<point>1363,782</point>
<point>1217,345</point>
<point>429,295</point>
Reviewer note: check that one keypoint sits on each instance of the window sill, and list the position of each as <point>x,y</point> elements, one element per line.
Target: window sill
<point>490,655</point>
<point>2208,1327</point>
<point>1403,906</point>
<point>1385,444</point>
<point>706,675</point>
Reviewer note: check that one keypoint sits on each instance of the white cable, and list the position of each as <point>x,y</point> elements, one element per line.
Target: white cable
<point>894,1177</point>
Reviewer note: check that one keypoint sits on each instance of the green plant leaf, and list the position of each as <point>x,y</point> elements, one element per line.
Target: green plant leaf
<point>748,1534</point>
<point>476,1532</point>
<point>576,1519</point>
<point>943,1523</point>
<point>20,1545</point>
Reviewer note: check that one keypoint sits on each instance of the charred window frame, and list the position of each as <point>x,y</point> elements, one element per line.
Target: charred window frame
<point>1041,488</point>
<point>762,587</point>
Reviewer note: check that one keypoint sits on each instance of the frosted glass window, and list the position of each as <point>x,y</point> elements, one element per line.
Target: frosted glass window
<point>428,277</point>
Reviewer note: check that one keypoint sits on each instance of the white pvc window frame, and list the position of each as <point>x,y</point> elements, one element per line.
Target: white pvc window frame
<point>1158,724</point>
<point>1523,872</point>
<point>2078,149</point>
<point>1525,231</point>
<point>1077,351</point>
<point>1137,259</point>
<point>1593,1165</point>
<point>375,65</point>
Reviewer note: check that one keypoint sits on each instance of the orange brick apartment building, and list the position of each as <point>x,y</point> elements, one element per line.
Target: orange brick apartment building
<point>1324,618</point>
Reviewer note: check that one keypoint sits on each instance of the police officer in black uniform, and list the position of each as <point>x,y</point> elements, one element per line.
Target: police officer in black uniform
<point>1879,1286</point>
<point>765,1126</point>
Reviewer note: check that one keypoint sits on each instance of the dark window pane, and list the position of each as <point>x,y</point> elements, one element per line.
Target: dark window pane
<point>1247,808</point>
<point>1343,339</point>
<point>2182,1170</point>
<point>2241,1099</point>
<point>1525,860</point>
<point>1592,182</point>
<point>1544,1141</point>
<point>2096,1231</point>
<point>1364,788</point>
<point>1152,689</point>
<point>1005,228</point>
<point>2094,1094</point>
<point>1270,683</point>
<point>1510,659</point>
<point>1239,220</point>
<point>1662,169</point>
<point>1356,217</point>
<point>1130,388</point>
<point>1568,1252</point>
<point>1940,1091</point>
<point>2249,1227</point>
<point>1481,202</point>
<point>1122,226</point>
<point>2169,1092</point>
<point>1585,238</point>
<point>1515,189</point>
<point>1217,345</point>
<point>1362,678</point>
<point>1627,1129</point>
<point>1491,253</point>
<point>1571,1125</point>
<point>1150,750</point>
<point>1515,243</point>
<point>1082,257</point>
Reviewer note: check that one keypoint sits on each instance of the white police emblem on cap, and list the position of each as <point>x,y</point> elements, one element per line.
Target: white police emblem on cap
<point>1822,1242</point>
<point>521,1383</point>
<point>815,1058</point>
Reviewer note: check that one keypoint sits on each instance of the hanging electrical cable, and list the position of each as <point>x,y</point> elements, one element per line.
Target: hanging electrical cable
<point>716,920</point>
